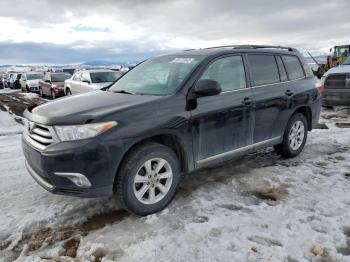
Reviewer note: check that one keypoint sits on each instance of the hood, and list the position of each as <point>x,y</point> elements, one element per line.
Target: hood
<point>82,108</point>
<point>338,69</point>
<point>100,85</point>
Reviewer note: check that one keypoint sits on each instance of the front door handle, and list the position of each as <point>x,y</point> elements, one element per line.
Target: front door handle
<point>289,92</point>
<point>247,101</point>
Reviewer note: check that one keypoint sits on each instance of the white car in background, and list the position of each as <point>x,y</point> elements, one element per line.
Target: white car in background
<point>30,81</point>
<point>89,80</point>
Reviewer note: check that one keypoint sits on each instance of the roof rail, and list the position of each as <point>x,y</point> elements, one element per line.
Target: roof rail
<point>251,47</point>
<point>264,46</point>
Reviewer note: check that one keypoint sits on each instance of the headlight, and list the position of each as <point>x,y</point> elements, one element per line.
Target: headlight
<point>70,133</point>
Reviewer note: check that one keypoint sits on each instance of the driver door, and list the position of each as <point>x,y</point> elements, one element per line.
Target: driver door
<point>223,124</point>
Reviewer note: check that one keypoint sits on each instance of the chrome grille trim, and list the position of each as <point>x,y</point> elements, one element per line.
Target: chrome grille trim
<point>40,136</point>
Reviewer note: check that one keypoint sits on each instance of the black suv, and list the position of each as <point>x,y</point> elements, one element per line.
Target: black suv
<point>170,115</point>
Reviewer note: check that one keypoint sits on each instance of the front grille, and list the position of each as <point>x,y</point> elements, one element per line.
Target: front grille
<point>40,136</point>
<point>335,81</point>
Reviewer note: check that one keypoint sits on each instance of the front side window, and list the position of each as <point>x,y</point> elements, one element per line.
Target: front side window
<point>228,72</point>
<point>104,77</point>
<point>263,69</point>
<point>158,76</point>
<point>346,61</point>
<point>293,67</point>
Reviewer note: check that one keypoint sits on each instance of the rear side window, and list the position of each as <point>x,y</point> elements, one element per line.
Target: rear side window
<point>293,67</point>
<point>281,69</point>
<point>263,69</point>
<point>228,71</point>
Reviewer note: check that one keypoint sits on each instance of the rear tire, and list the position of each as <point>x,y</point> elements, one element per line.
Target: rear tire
<point>294,137</point>
<point>141,187</point>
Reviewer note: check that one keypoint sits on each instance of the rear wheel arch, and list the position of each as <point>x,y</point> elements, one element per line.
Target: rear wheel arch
<point>306,111</point>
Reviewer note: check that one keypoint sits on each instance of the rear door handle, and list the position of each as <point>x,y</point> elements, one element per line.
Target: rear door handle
<point>289,93</point>
<point>247,101</point>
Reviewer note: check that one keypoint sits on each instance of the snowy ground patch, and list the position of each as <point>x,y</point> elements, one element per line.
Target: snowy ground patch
<point>257,208</point>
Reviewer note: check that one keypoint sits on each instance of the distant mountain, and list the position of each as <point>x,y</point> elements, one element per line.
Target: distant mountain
<point>107,63</point>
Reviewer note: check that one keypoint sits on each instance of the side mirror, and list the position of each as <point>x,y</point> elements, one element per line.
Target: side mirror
<point>47,81</point>
<point>207,87</point>
<point>85,81</point>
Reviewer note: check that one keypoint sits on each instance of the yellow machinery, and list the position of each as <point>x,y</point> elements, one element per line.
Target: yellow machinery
<point>339,54</point>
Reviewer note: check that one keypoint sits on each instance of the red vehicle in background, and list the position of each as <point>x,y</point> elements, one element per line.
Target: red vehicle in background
<point>53,84</point>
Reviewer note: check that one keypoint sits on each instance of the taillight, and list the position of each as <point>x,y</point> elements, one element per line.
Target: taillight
<point>320,88</point>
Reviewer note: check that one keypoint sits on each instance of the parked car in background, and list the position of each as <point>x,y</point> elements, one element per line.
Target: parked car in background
<point>336,83</point>
<point>2,77</point>
<point>52,84</point>
<point>90,80</point>
<point>10,80</point>
<point>30,81</point>
<point>171,115</point>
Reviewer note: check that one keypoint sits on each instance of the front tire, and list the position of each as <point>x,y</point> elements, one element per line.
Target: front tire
<point>294,137</point>
<point>148,179</point>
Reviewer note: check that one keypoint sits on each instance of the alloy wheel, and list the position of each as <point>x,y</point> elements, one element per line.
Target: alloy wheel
<point>152,181</point>
<point>296,135</point>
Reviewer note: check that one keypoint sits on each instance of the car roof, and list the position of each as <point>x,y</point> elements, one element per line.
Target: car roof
<point>221,50</point>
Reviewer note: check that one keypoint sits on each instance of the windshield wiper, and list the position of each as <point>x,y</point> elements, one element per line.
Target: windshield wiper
<point>125,92</point>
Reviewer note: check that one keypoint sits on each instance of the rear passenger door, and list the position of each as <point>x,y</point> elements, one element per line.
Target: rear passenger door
<point>273,95</point>
<point>223,123</point>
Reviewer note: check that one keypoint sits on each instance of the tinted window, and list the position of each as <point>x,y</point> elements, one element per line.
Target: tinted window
<point>293,67</point>
<point>104,77</point>
<point>281,69</point>
<point>263,69</point>
<point>228,71</point>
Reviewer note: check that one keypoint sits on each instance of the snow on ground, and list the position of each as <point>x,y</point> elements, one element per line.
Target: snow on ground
<point>8,125</point>
<point>257,208</point>
<point>7,90</point>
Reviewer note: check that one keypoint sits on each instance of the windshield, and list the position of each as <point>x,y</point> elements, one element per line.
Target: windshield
<point>158,76</point>
<point>103,77</point>
<point>59,77</point>
<point>34,76</point>
<point>346,60</point>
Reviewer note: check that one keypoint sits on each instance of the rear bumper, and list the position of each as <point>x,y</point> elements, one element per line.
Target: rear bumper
<point>59,92</point>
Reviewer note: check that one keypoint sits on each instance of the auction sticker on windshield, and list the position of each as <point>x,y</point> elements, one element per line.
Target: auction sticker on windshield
<point>182,60</point>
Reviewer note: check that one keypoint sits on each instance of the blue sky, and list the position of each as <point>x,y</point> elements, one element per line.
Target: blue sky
<point>132,30</point>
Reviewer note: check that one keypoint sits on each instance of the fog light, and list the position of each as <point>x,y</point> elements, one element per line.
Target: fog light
<point>77,179</point>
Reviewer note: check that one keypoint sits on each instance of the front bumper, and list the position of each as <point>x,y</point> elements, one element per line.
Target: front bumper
<point>93,158</point>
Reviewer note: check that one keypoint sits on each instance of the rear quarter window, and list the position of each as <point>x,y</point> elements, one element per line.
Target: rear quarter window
<point>263,69</point>
<point>293,67</point>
